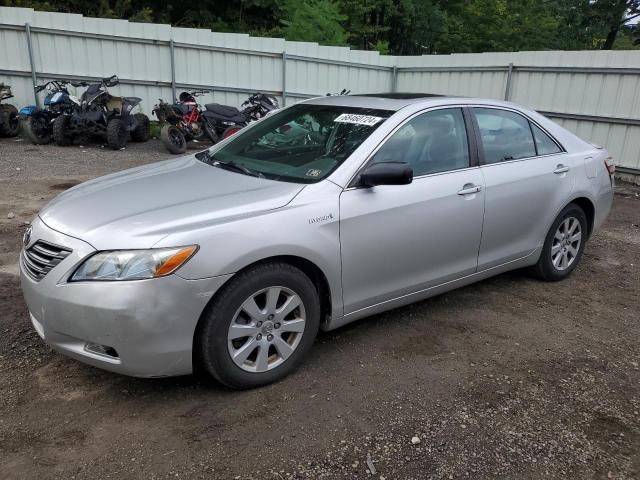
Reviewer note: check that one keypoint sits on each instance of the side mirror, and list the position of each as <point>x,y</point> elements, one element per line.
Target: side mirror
<point>386,173</point>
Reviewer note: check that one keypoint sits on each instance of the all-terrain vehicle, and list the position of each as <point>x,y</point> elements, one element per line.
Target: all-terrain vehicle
<point>101,114</point>
<point>9,122</point>
<point>38,122</point>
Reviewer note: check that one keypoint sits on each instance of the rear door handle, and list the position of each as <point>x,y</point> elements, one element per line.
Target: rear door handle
<point>469,189</point>
<point>561,169</point>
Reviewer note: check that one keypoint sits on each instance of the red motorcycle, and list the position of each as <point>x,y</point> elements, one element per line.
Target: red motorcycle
<point>184,122</point>
<point>187,121</point>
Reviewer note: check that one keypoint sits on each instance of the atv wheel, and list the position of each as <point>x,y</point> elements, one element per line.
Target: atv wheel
<point>9,121</point>
<point>142,132</point>
<point>230,131</point>
<point>61,131</point>
<point>173,139</point>
<point>38,130</point>
<point>117,134</point>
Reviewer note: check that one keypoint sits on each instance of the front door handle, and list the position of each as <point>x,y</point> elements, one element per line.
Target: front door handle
<point>469,189</point>
<point>560,168</point>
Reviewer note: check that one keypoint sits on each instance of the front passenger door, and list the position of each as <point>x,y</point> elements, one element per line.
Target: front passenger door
<point>400,239</point>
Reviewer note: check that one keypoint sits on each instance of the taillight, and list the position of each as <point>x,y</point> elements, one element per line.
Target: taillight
<point>611,168</point>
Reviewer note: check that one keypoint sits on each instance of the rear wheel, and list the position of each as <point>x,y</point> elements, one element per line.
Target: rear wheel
<point>38,129</point>
<point>260,327</point>
<point>9,121</point>
<point>117,134</point>
<point>61,133</point>
<point>230,131</point>
<point>564,245</point>
<point>142,132</point>
<point>173,139</point>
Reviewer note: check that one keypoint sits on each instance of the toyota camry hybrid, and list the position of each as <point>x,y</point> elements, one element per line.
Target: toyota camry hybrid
<point>330,210</point>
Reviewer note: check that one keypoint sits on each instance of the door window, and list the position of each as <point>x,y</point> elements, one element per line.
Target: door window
<point>544,143</point>
<point>433,142</point>
<point>504,135</point>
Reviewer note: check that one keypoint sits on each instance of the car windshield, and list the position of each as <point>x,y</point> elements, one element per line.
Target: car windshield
<point>302,144</point>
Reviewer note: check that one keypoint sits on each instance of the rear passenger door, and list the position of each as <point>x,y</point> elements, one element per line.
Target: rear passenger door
<point>527,177</point>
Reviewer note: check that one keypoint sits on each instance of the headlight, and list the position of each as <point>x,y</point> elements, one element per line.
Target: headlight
<point>133,264</point>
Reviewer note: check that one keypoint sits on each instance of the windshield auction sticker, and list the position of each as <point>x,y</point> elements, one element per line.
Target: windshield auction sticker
<point>358,119</point>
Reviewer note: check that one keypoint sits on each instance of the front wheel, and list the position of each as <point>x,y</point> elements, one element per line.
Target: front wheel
<point>38,129</point>
<point>173,139</point>
<point>117,134</point>
<point>564,245</point>
<point>61,133</point>
<point>260,327</point>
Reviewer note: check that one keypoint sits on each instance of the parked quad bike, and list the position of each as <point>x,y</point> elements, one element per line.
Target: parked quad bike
<point>39,121</point>
<point>9,121</point>
<point>216,121</point>
<point>99,113</point>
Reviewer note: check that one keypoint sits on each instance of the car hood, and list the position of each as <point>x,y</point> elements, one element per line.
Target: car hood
<point>136,208</point>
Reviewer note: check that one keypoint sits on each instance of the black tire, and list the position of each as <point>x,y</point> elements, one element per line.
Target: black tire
<point>545,268</point>
<point>9,121</point>
<point>211,350</point>
<point>117,134</point>
<point>61,131</point>
<point>38,130</point>
<point>173,139</point>
<point>142,132</point>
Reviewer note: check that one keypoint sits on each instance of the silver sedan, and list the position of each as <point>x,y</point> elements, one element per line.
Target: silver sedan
<point>326,212</point>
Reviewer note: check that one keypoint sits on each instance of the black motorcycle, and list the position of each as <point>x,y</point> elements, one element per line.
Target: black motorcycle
<point>39,121</point>
<point>9,122</point>
<point>229,120</point>
<point>98,113</point>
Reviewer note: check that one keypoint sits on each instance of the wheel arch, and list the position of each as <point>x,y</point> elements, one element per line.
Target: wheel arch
<point>309,268</point>
<point>589,210</point>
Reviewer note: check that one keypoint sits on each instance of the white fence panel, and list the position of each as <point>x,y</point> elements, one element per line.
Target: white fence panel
<point>593,93</point>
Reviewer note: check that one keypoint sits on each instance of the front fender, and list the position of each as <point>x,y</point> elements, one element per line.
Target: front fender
<point>29,110</point>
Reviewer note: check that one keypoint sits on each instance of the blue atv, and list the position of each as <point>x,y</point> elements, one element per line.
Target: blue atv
<point>9,123</point>
<point>39,121</point>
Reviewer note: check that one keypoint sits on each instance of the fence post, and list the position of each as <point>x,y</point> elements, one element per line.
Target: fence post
<point>284,79</point>
<point>34,79</point>
<point>173,70</point>
<point>394,79</point>
<point>507,90</point>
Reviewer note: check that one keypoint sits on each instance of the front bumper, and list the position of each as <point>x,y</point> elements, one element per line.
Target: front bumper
<point>149,324</point>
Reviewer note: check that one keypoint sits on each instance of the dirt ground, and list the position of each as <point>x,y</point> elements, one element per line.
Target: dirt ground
<point>509,378</point>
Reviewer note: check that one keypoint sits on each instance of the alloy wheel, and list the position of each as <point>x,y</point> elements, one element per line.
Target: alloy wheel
<point>566,243</point>
<point>266,329</point>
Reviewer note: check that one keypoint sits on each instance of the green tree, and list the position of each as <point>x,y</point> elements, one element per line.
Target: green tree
<point>314,21</point>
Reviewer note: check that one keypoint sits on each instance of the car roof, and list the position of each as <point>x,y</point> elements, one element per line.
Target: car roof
<point>397,101</point>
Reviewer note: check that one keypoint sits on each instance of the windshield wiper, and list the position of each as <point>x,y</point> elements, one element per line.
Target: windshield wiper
<point>231,165</point>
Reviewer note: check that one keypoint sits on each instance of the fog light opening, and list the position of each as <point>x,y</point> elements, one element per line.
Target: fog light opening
<point>103,350</point>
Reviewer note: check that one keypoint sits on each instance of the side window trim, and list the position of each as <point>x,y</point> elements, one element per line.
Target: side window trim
<point>471,139</point>
<point>531,122</point>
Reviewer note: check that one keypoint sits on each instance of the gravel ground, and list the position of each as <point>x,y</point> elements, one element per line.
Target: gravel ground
<point>509,378</point>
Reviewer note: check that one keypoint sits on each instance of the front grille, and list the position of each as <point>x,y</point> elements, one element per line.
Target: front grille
<point>41,257</point>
